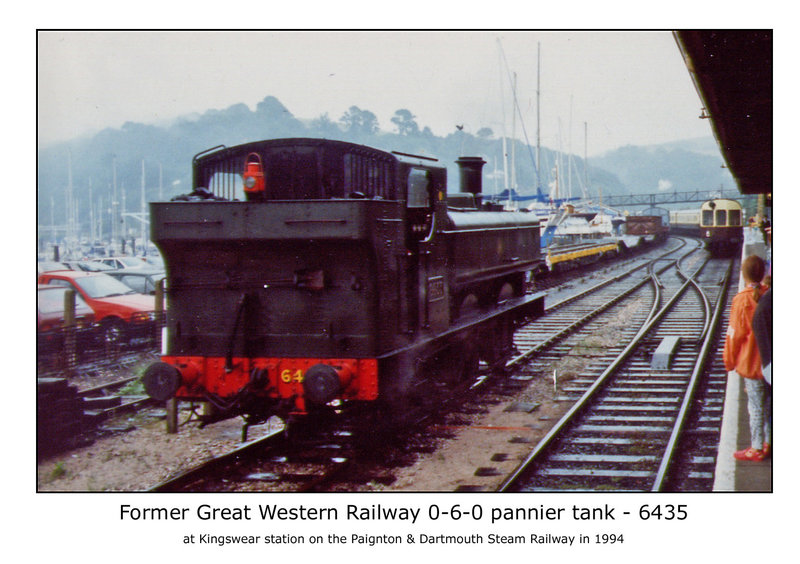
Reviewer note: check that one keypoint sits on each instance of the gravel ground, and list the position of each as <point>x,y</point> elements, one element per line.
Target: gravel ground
<point>140,458</point>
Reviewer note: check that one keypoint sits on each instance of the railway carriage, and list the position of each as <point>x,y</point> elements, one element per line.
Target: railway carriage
<point>652,224</point>
<point>718,222</point>
<point>341,277</point>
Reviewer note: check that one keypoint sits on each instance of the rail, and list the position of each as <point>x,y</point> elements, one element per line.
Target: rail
<point>605,306</point>
<point>582,405</point>
<point>707,339</point>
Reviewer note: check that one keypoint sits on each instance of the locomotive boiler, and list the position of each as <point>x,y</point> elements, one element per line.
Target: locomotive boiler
<point>342,276</point>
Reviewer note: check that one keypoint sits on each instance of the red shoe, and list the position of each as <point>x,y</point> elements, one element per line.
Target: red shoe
<point>767,450</point>
<point>751,453</point>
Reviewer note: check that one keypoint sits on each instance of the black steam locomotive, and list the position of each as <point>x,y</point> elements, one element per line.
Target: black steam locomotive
<point>343,276</point>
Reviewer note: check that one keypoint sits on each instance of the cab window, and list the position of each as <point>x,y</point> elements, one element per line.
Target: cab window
<point>418,188</point>
<point>722,218</point>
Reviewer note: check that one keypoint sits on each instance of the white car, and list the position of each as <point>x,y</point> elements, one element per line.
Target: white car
<point>122,262</point>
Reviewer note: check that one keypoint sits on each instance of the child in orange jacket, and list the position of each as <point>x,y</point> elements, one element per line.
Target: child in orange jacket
<point>741,354</point>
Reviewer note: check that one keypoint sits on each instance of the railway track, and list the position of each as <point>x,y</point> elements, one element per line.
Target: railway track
<point>105,400</point>
<point>328,457</point>
<point>334,459</point>
<point>645,418</point>
<point>567,315</point>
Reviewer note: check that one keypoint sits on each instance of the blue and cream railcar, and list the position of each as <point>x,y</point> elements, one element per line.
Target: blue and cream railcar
<point>718,222</point>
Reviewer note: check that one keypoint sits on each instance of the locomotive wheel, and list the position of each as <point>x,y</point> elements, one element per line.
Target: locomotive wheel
<point>302,426</point>
<point>518,284</point>
<point>468,367</point>
<point>467,305</point>
<point>458,365</point>
<point>490,294</point>
<point>507,290</point>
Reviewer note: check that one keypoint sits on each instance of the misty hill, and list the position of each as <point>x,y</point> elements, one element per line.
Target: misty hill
<point>163,153</point>
<point>695,164</point>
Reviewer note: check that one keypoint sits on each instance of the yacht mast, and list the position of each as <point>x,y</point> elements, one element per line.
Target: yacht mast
<point>569,150</point>
<point>143,210</point>
<point>92,227</point>
<point>114,208</point>
<point>586,155</point>
<point>72,232</point>
<point>538,120</point>
<point>513,140</point>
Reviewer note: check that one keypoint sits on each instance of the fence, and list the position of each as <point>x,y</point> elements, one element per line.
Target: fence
<point>65,349</point>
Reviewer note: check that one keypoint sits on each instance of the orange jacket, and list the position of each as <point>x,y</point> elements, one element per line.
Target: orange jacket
<point>741,351</point>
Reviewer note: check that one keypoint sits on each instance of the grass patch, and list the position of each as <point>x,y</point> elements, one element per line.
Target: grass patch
<point>58,471</point>
<point>133,388</point>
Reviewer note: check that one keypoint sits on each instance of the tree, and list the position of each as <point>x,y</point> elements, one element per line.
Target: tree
<point>359,122</point>
<point>485,133</point>
<point>270,116</point>
<point>404,120</point>
<point>272,108</point>
<point>325,126</point>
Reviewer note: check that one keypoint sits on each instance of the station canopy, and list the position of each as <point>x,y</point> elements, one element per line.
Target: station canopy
<point>732,71</point>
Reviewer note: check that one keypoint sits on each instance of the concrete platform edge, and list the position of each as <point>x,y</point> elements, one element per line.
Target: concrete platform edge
<point>725,471</point>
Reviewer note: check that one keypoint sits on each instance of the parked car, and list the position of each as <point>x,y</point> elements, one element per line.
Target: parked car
<point>154,261</point>
<point>88,266</point>
<point>50,309</point>
<point>121,313</point>
<point>50,319</point>
<point>50,266</point>
<point>139,279</point>
<point>122,262</point>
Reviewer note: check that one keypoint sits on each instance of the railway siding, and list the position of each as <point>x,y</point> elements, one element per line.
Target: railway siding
<point>622,433</point>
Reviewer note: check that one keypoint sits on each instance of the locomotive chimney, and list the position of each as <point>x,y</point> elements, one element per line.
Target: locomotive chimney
<point>471,176</point>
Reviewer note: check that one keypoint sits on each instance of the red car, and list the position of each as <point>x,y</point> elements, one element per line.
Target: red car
<point>50,319</point>
<point>120,312</point>
<point>50,309</point>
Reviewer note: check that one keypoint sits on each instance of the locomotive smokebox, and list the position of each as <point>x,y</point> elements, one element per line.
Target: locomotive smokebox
<point>471,176</point>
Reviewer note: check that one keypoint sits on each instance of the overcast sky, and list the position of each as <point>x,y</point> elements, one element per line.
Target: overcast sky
<point>626,87</point>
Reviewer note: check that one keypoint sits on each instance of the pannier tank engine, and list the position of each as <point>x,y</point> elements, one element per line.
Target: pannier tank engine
<point>343,277</point>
